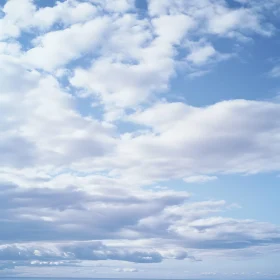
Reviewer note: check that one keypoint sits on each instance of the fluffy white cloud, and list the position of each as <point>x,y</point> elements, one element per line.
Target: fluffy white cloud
<point>216,17</point>
<point>40,123</point>
<point>66,13</point>
<point>150,62</point>
<point>222,138</point>
<point>23,16</point>
<point>17,16</point>
<point>57,48</point>
<point>102,31</point>
<point>128,77</point>
<point>226,137</point>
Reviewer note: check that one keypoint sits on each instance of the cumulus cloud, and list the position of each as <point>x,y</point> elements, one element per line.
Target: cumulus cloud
<point>150,61</point>
<point>218,18</point>
<point>37,111</point>
<point>46,54</point>
<point>25,16</point>
<point>226,137</point>
<point>129,76</point>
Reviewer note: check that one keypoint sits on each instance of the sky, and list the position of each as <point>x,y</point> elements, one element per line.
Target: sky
<point>140,139</point>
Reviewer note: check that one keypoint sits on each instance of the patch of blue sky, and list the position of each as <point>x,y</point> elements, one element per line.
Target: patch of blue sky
<point>141,4</point>
<point>26,40</point>
<point>2,3</point>
<point>243,76</point>
<point>142,8</point>
<point>234,4</point>
<point>85,106</point>
<point>257,195</point>
<point>128,127</point>
<point>47,3</point>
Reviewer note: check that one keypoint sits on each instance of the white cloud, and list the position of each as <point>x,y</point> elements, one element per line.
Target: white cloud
<point>222,138</point>
<point>57,48</point>
<point>226,21</point>
<point>215,17</point>
<point>67,13</point>
<point>10,48</point>
<point>150,62</point>
<point>195,140</point>
<point>40,116</point>
<point>129,76</point>
<point>199,179</point>
<point>23,15</point>
<point>17,16</point>
<point>201,55</point>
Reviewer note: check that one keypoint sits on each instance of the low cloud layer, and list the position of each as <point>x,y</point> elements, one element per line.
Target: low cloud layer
<point>56,225</point>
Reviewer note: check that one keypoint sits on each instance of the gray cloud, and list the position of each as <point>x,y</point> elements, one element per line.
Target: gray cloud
<point>57,254</point>
<point>49,214</point>
<point>56,219</point>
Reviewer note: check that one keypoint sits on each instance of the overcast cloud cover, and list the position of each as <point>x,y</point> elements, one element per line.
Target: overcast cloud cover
<point>140,138</point>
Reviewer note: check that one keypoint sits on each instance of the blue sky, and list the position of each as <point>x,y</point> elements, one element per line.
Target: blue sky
<point>140,139</point>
